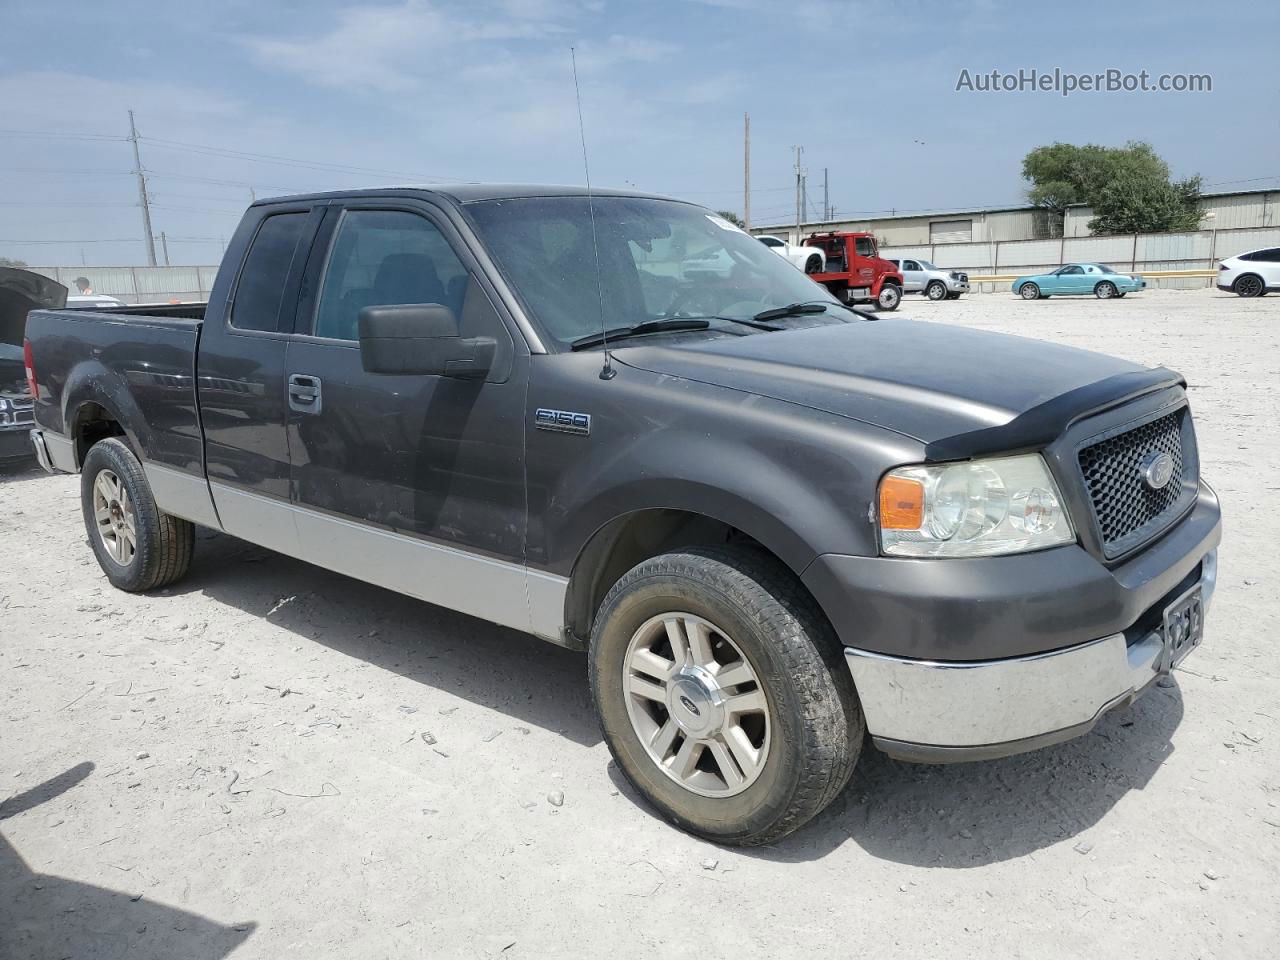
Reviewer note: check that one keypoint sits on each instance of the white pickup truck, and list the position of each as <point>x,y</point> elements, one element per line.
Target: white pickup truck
<point>808,259</point>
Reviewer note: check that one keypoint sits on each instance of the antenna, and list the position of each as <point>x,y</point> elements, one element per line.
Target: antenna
<point>607,372</point>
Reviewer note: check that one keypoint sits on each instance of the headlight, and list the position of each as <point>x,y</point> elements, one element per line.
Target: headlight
<point>979,508</point>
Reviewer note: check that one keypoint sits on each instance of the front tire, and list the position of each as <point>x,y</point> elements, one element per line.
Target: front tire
<point>138,546</point>
<point>723,695</point>
<point>1029,291</point>
<point>1106,290</point>
<point>1250,285</point>
<point>889,298</point>
<point>937,290</point>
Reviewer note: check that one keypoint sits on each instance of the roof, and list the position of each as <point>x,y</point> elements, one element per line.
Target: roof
<point>473,192</point>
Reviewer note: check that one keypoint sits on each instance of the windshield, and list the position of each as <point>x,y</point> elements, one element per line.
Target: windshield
<point>658,259</point>
<point>926,265</point>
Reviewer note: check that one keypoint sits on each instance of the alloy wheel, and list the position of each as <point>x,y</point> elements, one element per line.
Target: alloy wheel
<point>696,704</point>
<point>117,522</point>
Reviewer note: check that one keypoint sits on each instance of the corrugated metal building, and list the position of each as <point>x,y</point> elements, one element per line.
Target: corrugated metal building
<point>1224,211</point>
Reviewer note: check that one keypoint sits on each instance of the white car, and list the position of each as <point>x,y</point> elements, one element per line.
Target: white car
<point>808,259</point>
<point>1252,274</point>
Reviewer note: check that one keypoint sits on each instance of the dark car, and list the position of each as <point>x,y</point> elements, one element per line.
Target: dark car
<point>773,523</point>
<point>21,291</point>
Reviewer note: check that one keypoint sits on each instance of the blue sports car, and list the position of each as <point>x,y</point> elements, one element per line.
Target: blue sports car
<point>1078,279</point>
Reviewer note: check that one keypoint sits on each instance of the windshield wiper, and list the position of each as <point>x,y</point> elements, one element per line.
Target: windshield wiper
<point>810,306</point>
<point>639,330</point>
<point>791,310</point>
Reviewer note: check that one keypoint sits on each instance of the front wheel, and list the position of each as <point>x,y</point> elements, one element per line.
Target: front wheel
<point>1029,291</point>
<point>937,290</point>
<point>889,298</point>
<point>1105,290</point>
<point>723,694</point>
<point>138,546</point>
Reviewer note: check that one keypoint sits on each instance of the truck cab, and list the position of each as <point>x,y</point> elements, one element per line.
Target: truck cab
<point>854,270</point>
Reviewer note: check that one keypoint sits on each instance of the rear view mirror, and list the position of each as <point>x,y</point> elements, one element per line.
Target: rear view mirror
<point>421,338</point>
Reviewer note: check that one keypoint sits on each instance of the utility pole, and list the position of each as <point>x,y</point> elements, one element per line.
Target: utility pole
<point>164,242</point>
<point>799,193</point>
<point>142,194</point>
<point>826,197</point>
<point>746,170</point>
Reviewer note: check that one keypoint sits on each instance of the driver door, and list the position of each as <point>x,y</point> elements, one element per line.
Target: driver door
<point>414,482</point>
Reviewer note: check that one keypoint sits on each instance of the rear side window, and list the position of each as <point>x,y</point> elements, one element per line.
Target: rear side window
<point>910,265</point>
<point>381,257</point>
<point>1267,256</point>
<point>265,271</point>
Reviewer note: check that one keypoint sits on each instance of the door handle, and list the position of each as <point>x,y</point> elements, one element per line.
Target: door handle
<point>304,393</point>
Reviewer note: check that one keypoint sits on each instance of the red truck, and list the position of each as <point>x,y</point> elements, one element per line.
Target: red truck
<point>854,270</point>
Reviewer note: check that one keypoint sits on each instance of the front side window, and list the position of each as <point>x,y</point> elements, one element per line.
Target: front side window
<point>265,271</point>
<point>1268,256</point>
<point>382,257</point>
<point>865,247</point>
<point>1071,271</point>
<point>657,259</point>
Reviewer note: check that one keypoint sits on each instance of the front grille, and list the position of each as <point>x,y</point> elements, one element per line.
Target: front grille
<point>1127,510</point>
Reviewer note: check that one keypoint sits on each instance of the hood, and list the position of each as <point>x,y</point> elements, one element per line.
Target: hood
<point>923,380</point>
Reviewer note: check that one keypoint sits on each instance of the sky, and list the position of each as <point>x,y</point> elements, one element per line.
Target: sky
<point>242,97</point>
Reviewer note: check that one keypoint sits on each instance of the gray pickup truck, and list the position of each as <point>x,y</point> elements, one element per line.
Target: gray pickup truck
<point>774,524</point>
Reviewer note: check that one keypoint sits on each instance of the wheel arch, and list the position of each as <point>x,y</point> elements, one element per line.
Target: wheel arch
<point>628,539</point>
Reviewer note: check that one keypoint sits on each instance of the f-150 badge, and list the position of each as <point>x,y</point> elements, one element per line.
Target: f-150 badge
<point>562,421</point>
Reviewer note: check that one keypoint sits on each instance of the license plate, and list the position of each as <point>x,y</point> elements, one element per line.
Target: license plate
<point>1183,627</point>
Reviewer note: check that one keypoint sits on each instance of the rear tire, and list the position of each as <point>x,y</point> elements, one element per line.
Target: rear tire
<point>813,265</point>
<point>1250,285</point>
<point>1106,290</point>
<point>937,290</point>
<point>768,648</point>
<point>138,546</point>
<point>889,298</point>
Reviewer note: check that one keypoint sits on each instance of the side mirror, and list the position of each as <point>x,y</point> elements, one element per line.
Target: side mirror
<point>421,338</point>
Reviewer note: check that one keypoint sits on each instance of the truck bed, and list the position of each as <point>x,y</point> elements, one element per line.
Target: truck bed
<point>136,363</point>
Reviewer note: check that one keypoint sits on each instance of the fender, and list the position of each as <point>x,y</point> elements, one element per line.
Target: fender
<point>90,382</point>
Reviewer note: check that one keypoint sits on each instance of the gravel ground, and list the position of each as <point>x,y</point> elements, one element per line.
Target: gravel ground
<point>273,761</point>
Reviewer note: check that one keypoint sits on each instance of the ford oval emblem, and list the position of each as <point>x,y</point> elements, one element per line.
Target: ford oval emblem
<point>1157,470</point>
<point>690,706</point>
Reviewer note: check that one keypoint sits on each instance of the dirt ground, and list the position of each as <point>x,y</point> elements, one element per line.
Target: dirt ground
<point>272,761</point>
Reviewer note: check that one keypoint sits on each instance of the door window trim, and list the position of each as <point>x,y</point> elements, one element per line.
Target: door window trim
<point>314,211</point>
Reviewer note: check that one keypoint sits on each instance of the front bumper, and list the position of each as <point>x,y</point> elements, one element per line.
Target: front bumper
<point>957,286</point>
<point>947,711</point>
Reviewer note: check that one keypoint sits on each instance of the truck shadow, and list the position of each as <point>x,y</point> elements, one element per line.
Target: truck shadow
<point>973,814</point>
<point>42,915</point>
<point>531,681</point>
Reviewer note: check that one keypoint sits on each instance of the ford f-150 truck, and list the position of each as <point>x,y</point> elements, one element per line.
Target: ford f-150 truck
<point>774,524</point>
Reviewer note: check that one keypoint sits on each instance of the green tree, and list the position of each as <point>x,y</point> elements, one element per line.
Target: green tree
<point>7,262</point>
<point>1128,187</point>
<point>731,217</point>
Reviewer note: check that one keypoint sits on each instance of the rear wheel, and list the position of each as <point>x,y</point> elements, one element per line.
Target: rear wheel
<point>813,265</point>
<point>1029,291</point>
<point>889,298</point>
<point>937,290</point>
<point>1105,290</point>
<point>1249,285</point>
<point>138,546</point>
<point>723,694</point>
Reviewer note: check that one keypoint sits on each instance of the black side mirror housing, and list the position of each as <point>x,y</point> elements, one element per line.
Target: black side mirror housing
<point>421,338</point>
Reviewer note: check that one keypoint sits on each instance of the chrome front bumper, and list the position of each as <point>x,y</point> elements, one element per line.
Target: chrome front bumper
<point>945,711</point>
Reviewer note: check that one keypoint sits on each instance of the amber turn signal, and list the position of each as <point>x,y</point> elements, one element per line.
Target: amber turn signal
<point>901,503</point>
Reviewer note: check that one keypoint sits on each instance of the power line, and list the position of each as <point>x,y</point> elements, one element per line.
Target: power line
<point>290,161</point>
<point>47,135</point>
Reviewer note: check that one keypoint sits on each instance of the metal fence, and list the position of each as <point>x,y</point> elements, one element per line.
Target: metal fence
<point>137,284</point>
<point>1197,250</point>
<point>1154,252</point>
